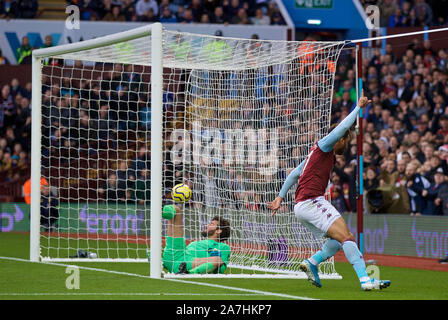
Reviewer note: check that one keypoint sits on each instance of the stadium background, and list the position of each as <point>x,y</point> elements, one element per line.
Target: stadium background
<point>406,126</point>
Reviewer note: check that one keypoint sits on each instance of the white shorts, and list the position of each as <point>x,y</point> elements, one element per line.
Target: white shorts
<point>317,215</point>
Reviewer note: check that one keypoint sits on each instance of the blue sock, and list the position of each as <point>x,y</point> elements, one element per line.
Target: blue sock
<point>328,250</point>
<point>354,256</point>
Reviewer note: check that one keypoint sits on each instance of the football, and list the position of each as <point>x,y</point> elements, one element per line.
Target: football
<point>181,193</point>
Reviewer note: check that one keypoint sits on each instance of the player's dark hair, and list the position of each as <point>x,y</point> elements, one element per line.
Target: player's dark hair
<point>224,226</point>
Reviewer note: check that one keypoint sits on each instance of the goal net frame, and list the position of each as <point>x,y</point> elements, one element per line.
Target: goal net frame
<point>157,65</point>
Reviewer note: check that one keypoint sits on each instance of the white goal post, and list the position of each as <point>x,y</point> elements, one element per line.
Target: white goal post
<point>230,117</point>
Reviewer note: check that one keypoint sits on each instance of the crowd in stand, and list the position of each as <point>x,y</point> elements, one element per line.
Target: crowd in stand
<point>405,131</point>
<point>18,9</point>
<point>256,12</point>
<point>410,13</point>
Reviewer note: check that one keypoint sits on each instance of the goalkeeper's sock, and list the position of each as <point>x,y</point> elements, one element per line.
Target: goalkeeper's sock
<point>203,268</point>
<point>355,257</point>
<point>328,250</point>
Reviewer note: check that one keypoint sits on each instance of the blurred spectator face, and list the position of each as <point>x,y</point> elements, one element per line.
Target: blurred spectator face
<point>439,178</point>
<point>25,41</point>
<point>444,122</point>
<point>188,15</point>
<point>205,18</point>
<point>45,189</point>
<point>397,126</point>
<point>366,148</point>
<point>393,143</point>
<point>123,165</point>
<point>113,179</point>
<point>383,144</point>
<point>370,127</point>
<point>167,12</point>
<point>219,12</point>
<point>422,125</point>
<point>15,83</point>
<point>414,137</point>
<point>411,169</point>
<point>48,41</point>
<point>435,162</point>
<point>235,3</point>
<point>428,151</point>
<point>390,166</point>
<point>443,150</point>
<point>24,103</point>
<point>6,91</point>
<point>116,11</point>
<point>406,157</point>
<point>242,13</point>
<point>370,174</point>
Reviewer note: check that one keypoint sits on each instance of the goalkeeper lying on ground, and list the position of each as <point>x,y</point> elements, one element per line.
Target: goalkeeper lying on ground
<point>205,256</point>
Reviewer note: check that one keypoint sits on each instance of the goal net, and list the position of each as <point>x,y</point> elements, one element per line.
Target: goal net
<point>126,117</point>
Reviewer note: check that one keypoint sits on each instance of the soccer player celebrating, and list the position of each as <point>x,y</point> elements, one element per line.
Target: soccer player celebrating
<point>205,256</point>
<point>316,213</point>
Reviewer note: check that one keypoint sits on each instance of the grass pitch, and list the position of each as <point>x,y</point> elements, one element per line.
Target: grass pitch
<point>21,279</point>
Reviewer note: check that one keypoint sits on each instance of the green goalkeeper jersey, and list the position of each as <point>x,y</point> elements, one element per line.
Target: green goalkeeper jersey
<point>209,248</point>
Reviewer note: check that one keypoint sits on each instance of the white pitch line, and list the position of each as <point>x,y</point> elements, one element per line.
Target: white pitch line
<point>259,292</point>
<point>123,294</point>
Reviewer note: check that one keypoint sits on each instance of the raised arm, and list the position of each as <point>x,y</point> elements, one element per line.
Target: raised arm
<point>326,144</point>
<point>292,178</point>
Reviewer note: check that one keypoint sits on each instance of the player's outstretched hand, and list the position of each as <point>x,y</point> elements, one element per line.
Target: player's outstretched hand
<point>363,101</point>
<point>275,205</point>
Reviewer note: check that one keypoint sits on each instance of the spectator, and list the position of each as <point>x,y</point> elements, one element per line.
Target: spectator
<point>3,60</point>
<point>114,15</point>
<point>149,16</point>
<point>143,188</point>
<point>415,185</point>
<point>28,9</point>
<point>277,20</point>
<point>141,162</point>
<point>187,16</point>
<point>396,19</point>
<point>387,9</point>
<point>434,206</point>
<point>231,7</point>
<point>423,12</point>
<point>166,4</point>
<point>196,9</point>
<point>7,108</point>
<point>240,18</point>
<point>143,6</point>
<point>23,54</point>
<point>110,191</point>
<point>260,19</point>
<point>167,16</point>
<point>413,20</point>
<point>218,16</point>
<point>9,9</point>
<point>128,9</point>
<point>49,208</point>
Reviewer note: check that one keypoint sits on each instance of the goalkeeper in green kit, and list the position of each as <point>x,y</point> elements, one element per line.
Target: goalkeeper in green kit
<point>199,257</point>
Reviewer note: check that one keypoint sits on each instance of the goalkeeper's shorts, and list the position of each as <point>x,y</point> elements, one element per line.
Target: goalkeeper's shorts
<point>174,254</point>
<point>317,215</point>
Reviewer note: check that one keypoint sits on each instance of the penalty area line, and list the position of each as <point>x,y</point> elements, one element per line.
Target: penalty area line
<point>213,285</point>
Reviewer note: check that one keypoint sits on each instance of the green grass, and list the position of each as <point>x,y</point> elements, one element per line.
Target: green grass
<point>24,280</point>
